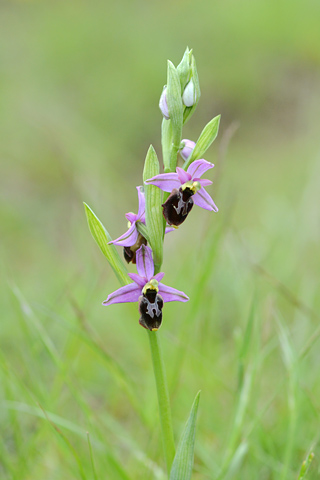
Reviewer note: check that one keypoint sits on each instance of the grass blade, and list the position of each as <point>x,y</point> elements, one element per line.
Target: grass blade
<point>183,461</point>
<point>305,466</point>
<point>91,457</point>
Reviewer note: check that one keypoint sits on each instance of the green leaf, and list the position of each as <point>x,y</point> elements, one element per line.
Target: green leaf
<point>183,460</point>
<point>207,136</point>
<point>175,107</point>
<point>102,238</point>
<point>154,217</point>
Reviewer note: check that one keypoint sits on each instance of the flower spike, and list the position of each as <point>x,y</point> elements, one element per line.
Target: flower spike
<point>186,188</point>
<point>148,290</point>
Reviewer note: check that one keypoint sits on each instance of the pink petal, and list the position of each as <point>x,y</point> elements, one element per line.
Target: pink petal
<point>129,293</point>
<point>203,182</point>
<point>169,229</point>
<point>163,104</point>
<point>187,149</point>
<point>159,276</point>
<point>170,294</point>
<point>131,217</point>
<point>137,279</point>
<point>197,168</point>
<point>165,181</point>
<point>203,200</point>
<point>141,202</point>
<point>129,238</point>
<point>145,264</point>
<point>183,175</point>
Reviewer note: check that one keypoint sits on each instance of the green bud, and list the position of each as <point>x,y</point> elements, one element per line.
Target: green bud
<point>189,95</point>
<point>184,69</point>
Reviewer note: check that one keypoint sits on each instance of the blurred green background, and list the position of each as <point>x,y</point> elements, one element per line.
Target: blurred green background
<point>79,89</point>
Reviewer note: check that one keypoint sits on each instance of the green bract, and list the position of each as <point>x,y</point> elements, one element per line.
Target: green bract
<point>166,143</point>
<point>175,107</point>
<point>143,230</point>
<point>102,237</point>
<point>207,136</point>
<point>154,218</point>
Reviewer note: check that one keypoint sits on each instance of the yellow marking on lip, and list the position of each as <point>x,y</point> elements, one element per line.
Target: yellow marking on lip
<point>155,329</point>
<point>152,285</point>
<point>193,186</point>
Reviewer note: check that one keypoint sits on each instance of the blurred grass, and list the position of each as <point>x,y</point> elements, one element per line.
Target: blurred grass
<point>80,84</point>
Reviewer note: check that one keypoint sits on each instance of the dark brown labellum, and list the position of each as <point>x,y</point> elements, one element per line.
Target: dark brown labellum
<point>129,253</point>
<point>177,206</point>
<point>150,308</point>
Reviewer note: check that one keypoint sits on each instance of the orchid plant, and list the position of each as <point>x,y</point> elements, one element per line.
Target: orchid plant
<point>165,201</point>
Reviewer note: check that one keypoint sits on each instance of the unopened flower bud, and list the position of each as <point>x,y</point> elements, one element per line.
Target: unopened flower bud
<point>189,96</point>
<point>163,104</point>
<point>187,149</point>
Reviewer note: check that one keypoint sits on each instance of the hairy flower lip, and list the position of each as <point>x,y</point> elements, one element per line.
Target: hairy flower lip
<point>151,311</point>
<point>177,206</point>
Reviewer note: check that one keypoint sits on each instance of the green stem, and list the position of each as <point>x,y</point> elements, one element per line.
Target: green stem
<point>163,399</point>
